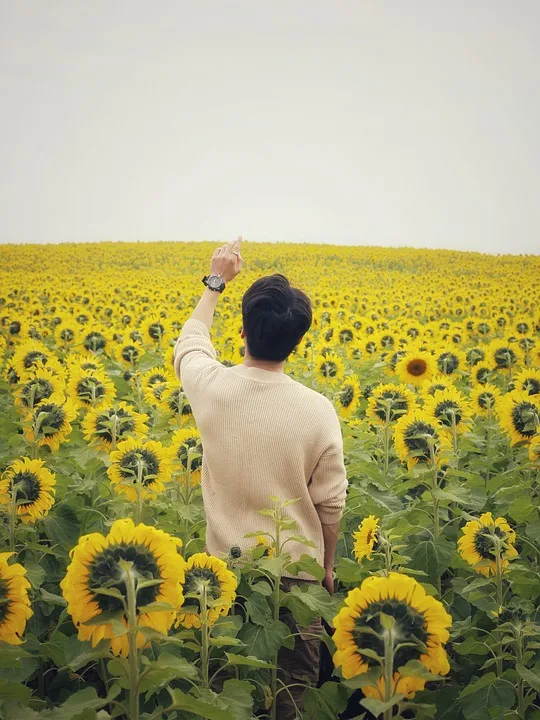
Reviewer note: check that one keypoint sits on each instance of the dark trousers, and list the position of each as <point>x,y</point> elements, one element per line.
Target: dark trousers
<point>298,667</point>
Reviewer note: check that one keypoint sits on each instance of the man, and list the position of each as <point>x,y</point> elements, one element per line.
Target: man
<point>264,434</point>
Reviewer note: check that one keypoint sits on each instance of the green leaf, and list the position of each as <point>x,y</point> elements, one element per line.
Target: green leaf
<point>471,646</point>
<point>369,678</point>
<point>531,678</point>
<point>77,705</point>
<point>78,654</point>
<point>248,660</point>
<point>35,573</point>
<point>62,526</point>
<point>258,609</point>
<point>433,557</point>
<point>53,649</point>
<point>201,708</point>
<point>15,691</point>
<point>377,707</point>
<point>306,564</point>
<point>326,702</point>
<point>310,602</point>
<point>414,668</point>
<point>237,698</point>
<point>262,587</point>
<point>155,607</point>
<point>52,598</point>
<point>168,667</point>
<point>349,571</point>
<point>263,641</point>
<point>487,692</point>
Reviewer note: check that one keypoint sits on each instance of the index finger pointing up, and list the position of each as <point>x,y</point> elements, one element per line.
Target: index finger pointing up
<point>237,243</point>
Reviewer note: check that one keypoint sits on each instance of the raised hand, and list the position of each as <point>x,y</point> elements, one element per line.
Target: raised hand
<point>227,261</point>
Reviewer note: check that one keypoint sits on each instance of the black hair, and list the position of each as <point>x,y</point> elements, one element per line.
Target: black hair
<point>275,317</point>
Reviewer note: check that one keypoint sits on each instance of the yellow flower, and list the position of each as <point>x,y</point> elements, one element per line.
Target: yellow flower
<point>348,397</point>
<point>136,460</point>
<point>528,380</point>
<point>365,538</point>
<point>421,628</point>
<point>102,425</point>
<point>477,545</point>
<point>186,446</point>
<point>389,401</point>
<point>41,384</point>
<point>519,415</point>
<point>89,389</point>
<point>49,423</point>
<point>34,485</point>
<point>415,433</point>
<point>416,367</point>
<point>14,602</point>
<point>329,368</point>
<point>95,564</point>
<point>484,398</point>
<point>210,576</point>
<point>450,407</point>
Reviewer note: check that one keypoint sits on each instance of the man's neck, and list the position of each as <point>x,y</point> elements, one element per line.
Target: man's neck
<point>277,367</point>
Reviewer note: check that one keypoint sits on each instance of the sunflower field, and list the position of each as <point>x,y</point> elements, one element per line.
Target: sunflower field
<point>109,605</point>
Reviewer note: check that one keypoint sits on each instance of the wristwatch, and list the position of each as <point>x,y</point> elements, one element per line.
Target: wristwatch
<point>214,282</point>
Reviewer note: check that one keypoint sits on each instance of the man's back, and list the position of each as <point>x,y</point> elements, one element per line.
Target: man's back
<point>263,435</point>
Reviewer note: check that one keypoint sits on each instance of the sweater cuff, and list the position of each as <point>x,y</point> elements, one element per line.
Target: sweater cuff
<point>329,517</point>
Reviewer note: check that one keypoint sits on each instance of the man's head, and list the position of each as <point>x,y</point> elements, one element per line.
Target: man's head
<point>275,318</point>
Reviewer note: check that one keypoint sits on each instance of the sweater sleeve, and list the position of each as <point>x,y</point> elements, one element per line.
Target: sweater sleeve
<point>328,483</point>
<point>194,357</point>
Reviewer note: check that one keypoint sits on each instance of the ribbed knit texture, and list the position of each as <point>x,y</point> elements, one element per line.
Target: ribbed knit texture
<point>263,434</point>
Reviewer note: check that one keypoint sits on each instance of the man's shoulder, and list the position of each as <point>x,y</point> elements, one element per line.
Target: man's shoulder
<point>313,396</point>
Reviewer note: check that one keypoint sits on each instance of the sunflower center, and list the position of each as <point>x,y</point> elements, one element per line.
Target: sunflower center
<point>346,396</point>
<point>447,363</point>
<point>410,627</point>
<point>105,571</point>
<point>197,578</point>
<point>525,418</point>
<point>505,357</point>
<point>531,386</point>
<point>130,353</point>
<point>94,341</point>
<point>5,600</point>
<point>27,487</point>
<point>129,465</point>
<point>483,541</point>
<point>41,388</point>
<point>329,368</point>
<point>124,424</point>
<point>446,410</point>
<point>14,327</point>
<point>183,450</point>
<point>486,400</point>
<point>417,367</point>
<point>482,375</point>
<point>90,389</point>
<point>475,355</point>
<point>156,331</point>
<point>67,334</point>
<point>156,378</point>
<point>33,358</point>
<point>345,335</point>
<point>54,419</point>
<point>186,410</point>
<point>416,442</point>
<point>396,403</point>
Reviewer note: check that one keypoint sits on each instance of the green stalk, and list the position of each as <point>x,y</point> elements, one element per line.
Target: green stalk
<point>387,438</point>
<point>12,517</point>
<point>138,486</point>
<point>388,670</point>
<point>275,598</point>
<point>519,660</point>
<point>205,658</point>
<point>498,575</point>
<point>133,652</point>
<point>114,432</point>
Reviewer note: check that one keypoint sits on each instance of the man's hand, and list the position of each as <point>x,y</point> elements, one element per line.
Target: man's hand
<point>227,261</point>
<point>328,581</point>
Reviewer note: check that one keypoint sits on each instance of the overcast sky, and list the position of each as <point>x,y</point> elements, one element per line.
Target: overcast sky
<point>384,122</point>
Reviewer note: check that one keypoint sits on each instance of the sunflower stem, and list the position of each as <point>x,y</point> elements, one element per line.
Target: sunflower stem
<point>518,645</point>
<point>205,659</point>
<point>138,487</point>
<point>388,669</point>
<point>500,592</point>
<point>133,652</point>
<point>114,432</point>
<point>12,517</point>
<point>387,438</point>
<point>275,599</point>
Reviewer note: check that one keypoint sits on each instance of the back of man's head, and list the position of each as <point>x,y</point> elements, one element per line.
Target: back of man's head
<point>275,318</point>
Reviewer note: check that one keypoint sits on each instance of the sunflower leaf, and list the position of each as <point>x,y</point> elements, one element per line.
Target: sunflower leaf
<point>377,707</point>
<point>148,583</point>
<point>367,679</point>
<point>248,660</point>
<point>414,668</point>
<point>155,607</point>
<point>110,592</point>
<point>105,617</point>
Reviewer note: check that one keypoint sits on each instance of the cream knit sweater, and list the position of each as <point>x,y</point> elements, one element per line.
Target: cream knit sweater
<point>263,434</point>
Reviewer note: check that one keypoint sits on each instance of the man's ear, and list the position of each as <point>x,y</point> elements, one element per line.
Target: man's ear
<point>242,333</point>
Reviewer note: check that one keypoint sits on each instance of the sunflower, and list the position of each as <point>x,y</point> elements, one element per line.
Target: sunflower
<point>156,331</point>
<point>534,449</point>
<point>475,355</point>
<point>414,433</point>
<point>429,387</point>
<point>329,367</point>
<point>154,382</point>
<point>98,340</point>
<point>484,398</point>
<point>14,328</point>
<point>49,423</point>
<point>78,362</point>
<point>173,403</point>
<point>451,408</point>
<point>33,355</point>
<point>416,367</point>
<point>95,564</point>
<point>14,602</point>
<point>528,380</point>
<point>348,397</point>
<point>186,446</point>
<point>477,544</point>
<point>89,389</point>
<point>137,460</point>
<point>107,426</point>
<point>263,547</point>
<point>67,333</point>
<point>503,355</point>
<point>34,486</point>
<point>128,353</point>
<point>389,401</point>
<point>421,629</point>
<point>41,384</point>
<point>519,415</point>
<point>207,574</point>
<point>365,538</point>
<point>450,361</point>
<point>482,373</point>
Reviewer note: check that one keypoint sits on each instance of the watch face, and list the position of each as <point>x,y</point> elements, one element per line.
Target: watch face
<point>214,281</point>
